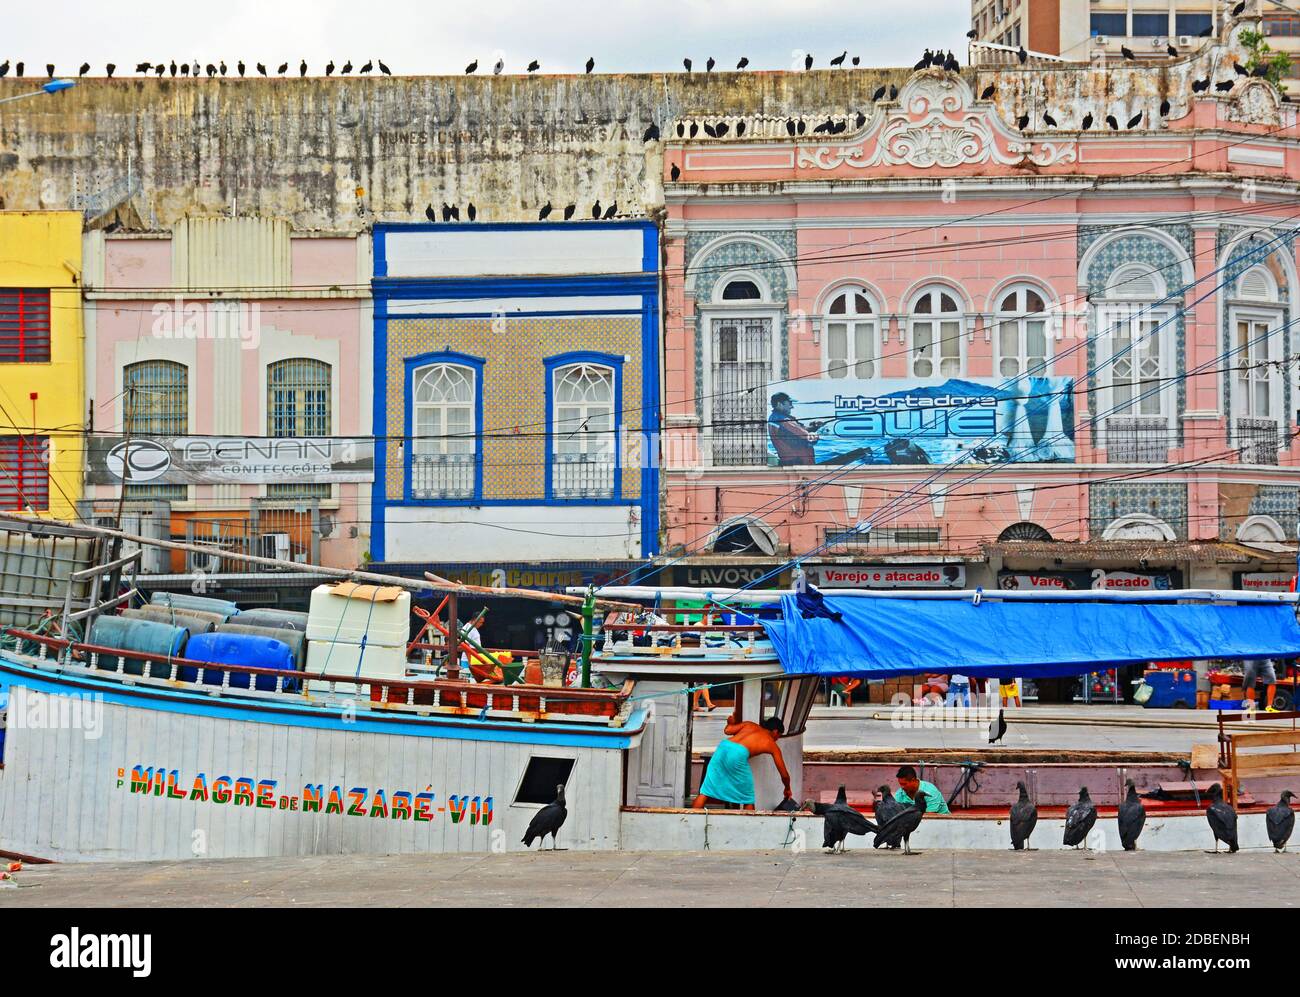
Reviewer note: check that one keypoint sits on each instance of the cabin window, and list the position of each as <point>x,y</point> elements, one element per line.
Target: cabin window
<point>24,325</point>
<point>298,404</point>
<point>541,776</point>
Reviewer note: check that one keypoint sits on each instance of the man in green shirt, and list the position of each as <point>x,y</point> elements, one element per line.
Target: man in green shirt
<point>909,785</point>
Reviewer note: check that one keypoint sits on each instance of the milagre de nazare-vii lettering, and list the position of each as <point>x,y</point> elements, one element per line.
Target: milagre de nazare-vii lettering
<point>358,801</point>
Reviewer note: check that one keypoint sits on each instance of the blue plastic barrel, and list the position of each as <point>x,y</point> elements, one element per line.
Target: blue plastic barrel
<point>250,650</point>
<point>137,635</point>
<point>183,600</point>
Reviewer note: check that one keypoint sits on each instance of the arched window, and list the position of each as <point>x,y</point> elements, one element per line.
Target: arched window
<point>298,404</point>
<point>1135,346</point>
<point>583,431</point>
<point>1021,341</point>
<point>935,330</point>
<point>444,423</point>
<point>741,290</point>
<point>851,336</point>
<point>156,403</point>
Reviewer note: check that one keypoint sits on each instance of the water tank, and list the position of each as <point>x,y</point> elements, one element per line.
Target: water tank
<point>278,618</point>
<point>183,600</point>
<point>341,615</point>
<point>131,634</point>
<point>295,640</point>
<point>194,623</point>
<point>250,650</point>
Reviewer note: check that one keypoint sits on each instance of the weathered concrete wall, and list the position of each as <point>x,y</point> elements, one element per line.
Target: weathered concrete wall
<point>338,154</point>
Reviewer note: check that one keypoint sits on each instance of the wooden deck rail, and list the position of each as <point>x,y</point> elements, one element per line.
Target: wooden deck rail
<point>1237,758</point>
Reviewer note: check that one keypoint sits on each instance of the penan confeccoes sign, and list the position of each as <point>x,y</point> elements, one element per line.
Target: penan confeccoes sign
<point>191,460</point>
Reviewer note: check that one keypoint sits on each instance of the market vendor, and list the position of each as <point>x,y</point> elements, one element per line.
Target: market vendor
<point>728,778</point>
<point>909,785</point>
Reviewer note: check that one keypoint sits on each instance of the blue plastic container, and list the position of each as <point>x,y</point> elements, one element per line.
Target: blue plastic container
<point>182,600</point>
<point>239,649</point>
<point>1171,688</point>
<point>136,635</point>
<point>1227,704</point>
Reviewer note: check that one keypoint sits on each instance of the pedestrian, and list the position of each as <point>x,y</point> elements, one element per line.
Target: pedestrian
<point>958,689</point>
<point>1252,670</point>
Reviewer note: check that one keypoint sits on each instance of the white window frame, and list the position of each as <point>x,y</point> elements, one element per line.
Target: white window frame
<point>419,446</point>
<point>570,485</point>
<point>1141,318</point>
<point>854,322</point>
<point>1021,318</point>
<point>708,312</point>
<point>1242,397</point>
<point>914,318</point>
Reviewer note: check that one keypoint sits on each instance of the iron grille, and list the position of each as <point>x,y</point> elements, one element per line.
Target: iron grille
<point>24,325</point>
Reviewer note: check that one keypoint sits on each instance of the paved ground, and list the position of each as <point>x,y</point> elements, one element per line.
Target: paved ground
<point>857,728</point>
<point>673,879</point>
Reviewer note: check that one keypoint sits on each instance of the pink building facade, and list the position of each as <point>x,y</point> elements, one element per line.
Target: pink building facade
<point>935,344</point>
<point>241,333</point>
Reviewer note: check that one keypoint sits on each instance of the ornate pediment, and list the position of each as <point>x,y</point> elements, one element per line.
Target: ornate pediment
<point>937,122</point>
<point>1256,102</point>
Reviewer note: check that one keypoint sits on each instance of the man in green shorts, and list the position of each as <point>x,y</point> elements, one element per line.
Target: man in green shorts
<point>728,778</point>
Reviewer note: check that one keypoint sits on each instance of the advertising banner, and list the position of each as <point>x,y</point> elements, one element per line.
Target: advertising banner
<point>900,421</point>
<point>219,460</point>
<point>887,576</point>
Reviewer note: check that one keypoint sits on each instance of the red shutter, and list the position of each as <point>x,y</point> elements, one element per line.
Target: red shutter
<point>24,325</point>
<point>24,473</point>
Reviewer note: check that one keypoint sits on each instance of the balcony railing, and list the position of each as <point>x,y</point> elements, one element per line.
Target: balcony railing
<point>1137,440</point>
<point>443,476</point>
<point>582,476</point>
<point>1259,440</point>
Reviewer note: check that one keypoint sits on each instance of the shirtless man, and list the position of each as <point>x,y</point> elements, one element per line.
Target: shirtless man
<point>728,778</point>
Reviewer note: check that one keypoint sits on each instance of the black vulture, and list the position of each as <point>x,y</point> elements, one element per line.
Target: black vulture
<point>1164,108</point>
<point>1223,820</point>
<point>893,92</point>
<point>901,826</point>
<point>839,59</point>
<point>595,211</point>
<point>1136,120</point>
<point>111,68</point>
<point>1239,69</point>
<point>261,68</point>
<point>610,212</point>
<point>470,69</point>
<point>1079,820</point>
<point>142,67</point>
<point>1173,52</point>
<point>1086,123</point>
<point>880,92</point>
<point>546,821</point>
<point>1112,122</point>
<point>744,61</point>
<point>302,68</point>
<point>382,68</point>
<point>1022,123</point>
<point>1024,815</point>
<point>925,61</point>
<point>888,807</point>
<point>329,68</point>
<point>366,67</point>
<point>85,68</point>
<point>430,214</point>
<point>1236,11</point>
<point>720,129</point>
<point>708,66</point>
<point>1022,55</point>
<point>687,64</point>
<point>544,212</point>
<point>841,820</point>
<point>950,64</point>
<point>1127,53</point>
<point>651,133</point>
<point>1223,86</point>
<point>49,68</point>
<point>534,66</point>
<point>569,209</point>
<point>740,128</point>
<point>1280,821</point>
<point>675,173</point>
<point>473,211</point>
<point>808,61</point>
<point>988,91</point>
<point>1132,815</point>
<point>240,66</point>
<point>1050,122</point>
<point>496,70</point>
<point>591,64</point>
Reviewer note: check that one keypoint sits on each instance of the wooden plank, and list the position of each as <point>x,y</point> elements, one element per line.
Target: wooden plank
<point>1270,768</point>
<point>1266,738</point>
<point>1205,756</point>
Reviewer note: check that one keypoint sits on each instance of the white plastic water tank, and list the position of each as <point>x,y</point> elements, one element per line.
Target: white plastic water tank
<point>340,615</point>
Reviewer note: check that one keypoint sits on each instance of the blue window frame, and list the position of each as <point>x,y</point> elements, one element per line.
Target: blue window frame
<point>444,428</point>
<point>1150,22</point>
<point>1192,24</point>
<point>584,410</point>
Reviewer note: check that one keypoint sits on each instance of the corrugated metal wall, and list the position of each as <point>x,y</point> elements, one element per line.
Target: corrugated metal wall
<point>236,253</point>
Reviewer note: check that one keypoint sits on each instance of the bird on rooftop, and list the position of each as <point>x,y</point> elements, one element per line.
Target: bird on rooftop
<point>709,130</point>
<point>212,71</point>
<point>857,59</point>
<point>1224,86</point>
<point>1050,122</point>
<point>1222,819</point>
<point>1164,108</point>
<point>839,59</point>
<point>651,134</point>
<point>971,33</point>
<point>49,68</point>
<point>500,65</point>
<point>569,209</point>
<point>880,92</point>
<point>160,69</point>
<point>720,129</point>
<point>429,213</point>
<point>1280,821</point>
<point>1134,121</point>
<point>85,68</point>
<point>1239,69</point>
<point>674,173</point>
<point>223,67</point>
<point>695,129</point>
<point>18,70</point>
<point>455,212</point>
<point>111,68</point>
<point>687,64</point>
<point>544,212</point>
<point>1024,816</point>
<point>1022,122</point>
<point>1127,53</point>
<point>925,62</point>
<point>1113,122</point>
<point>446,211</point>
<point>591,64</point>
<point>4,69</point>
<point>185,69</point>
<point>988,91</point>
<point>302,68</point>
<point>708,65</point>
<point>744,61</point>
<point>1206,31</point>
<point>1131,816</point>
<point>841,820</point>
<point>472,211</point>
<point>141,67</point>
<point>365,69</point>
<point>546,821</point>
<point>347,68</point>
<point>1086,123</point>
<point>1200,86</point>
<point>998,725</point>
<point>1173,52</point>
<point>382,68</point>
<point>1079,820</point>
<point>283,68</point>
<point>893,92</point>
<point>471,68</point>
<point>740,128</point>
<point>1022,55</point>
<point>239,67</point>
<point>902,825</point>
<point>802,126</point>
<point>329,68</point>
<point>595,210</point>
<point>808,61</point>
<point>261,68</point>
<point>534,66</point>
<point>860,120</point>
<point>950,64</point>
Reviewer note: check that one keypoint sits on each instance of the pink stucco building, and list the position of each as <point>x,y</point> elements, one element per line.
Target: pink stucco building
<point>927,341</point>
<point>223,384</point>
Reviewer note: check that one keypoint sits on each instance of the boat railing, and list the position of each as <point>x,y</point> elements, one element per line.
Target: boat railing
<point>666,637</point>
<point>416,696</point>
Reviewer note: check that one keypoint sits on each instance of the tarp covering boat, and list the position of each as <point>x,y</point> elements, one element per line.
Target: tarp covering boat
<point>876,638</point>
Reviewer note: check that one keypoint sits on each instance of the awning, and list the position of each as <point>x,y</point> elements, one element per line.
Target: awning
<point>877,638</point>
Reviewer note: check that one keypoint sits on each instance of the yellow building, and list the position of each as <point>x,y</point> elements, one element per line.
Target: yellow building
<point>42,374</point>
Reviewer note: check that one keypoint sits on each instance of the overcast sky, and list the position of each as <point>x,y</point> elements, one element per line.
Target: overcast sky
<point>434,36</point>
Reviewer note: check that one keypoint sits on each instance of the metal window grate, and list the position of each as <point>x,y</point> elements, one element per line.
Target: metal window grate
<point>24,472</point>
<point>1259,440</point>
<point>881,538</point>
<point>742,369</point>
<point>24,325</point>
<point>443,476</point>
<point>158,406</point>
<point>298,393</point>
<point>1137,441</point>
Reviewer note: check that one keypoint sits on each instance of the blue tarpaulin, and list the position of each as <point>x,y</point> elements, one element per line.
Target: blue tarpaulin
<point>881,637</point>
